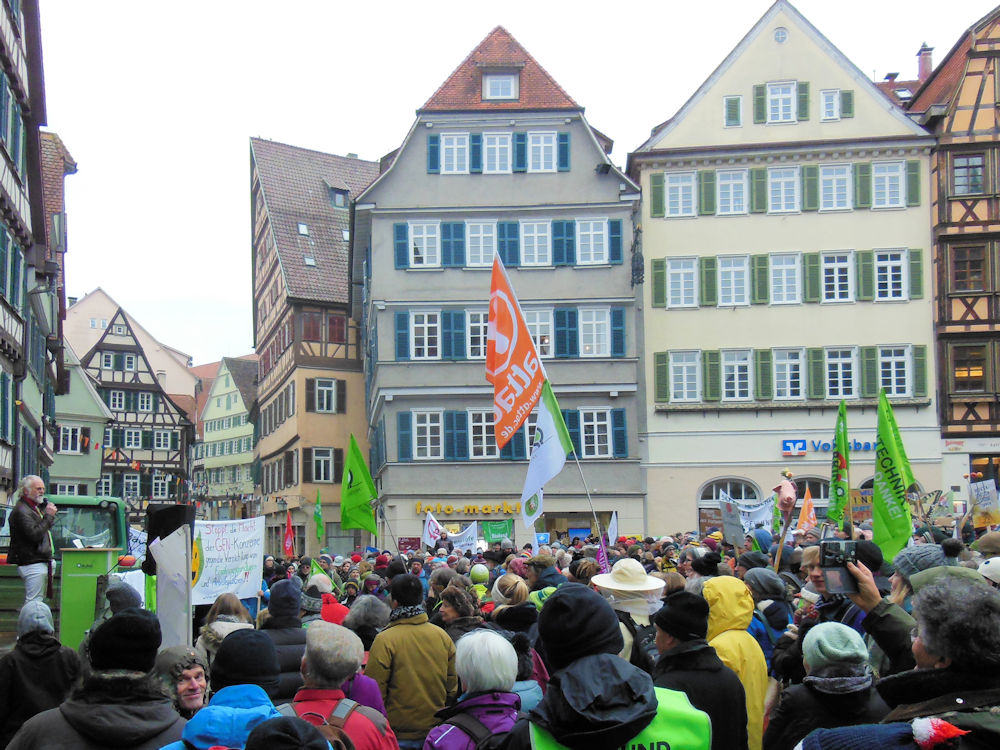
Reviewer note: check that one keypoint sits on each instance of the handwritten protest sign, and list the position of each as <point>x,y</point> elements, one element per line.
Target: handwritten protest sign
<point>227,558</point>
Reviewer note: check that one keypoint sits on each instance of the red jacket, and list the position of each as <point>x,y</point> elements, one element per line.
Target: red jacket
<point>359,727</point>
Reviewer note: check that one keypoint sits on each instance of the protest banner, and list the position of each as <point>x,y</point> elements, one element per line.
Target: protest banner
<point>173,591</point>
<point>227,559</point>
<point>732,524</point>
<point>409,544</point>
<point>467,538</point>
<point>495,531</point>
<point>984,498</point>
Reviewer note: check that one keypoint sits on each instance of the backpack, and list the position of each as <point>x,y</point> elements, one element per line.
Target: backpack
<point>484,738</point>
<point>332,726</point>
<point>644,652</point>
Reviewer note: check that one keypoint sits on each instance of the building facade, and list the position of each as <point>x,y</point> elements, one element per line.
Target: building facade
<point>958,103</point>
<point>786,220</point>
<point>309,378</point>
<point>499,160</point>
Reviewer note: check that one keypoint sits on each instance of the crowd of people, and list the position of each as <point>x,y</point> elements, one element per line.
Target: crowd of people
<point>684,640</point>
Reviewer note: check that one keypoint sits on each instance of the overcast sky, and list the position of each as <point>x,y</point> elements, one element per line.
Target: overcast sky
<point>157,101</point>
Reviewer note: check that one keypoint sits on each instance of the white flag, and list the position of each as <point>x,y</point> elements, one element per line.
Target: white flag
<point>613,528</point>
<point>549,446</point>
<point>432,531</point>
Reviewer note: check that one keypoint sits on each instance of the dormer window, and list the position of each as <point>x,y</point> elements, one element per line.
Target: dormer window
<point>500,86</point>
<point>338,198</point>
<point>303,229</point>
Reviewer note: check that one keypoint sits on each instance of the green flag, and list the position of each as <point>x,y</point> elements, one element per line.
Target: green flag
<point>550,444</point>
<point>840,484</point>
<point>318,518</point>
<point>357,490</point>
<point>891,522</point>
<point>495,531</point>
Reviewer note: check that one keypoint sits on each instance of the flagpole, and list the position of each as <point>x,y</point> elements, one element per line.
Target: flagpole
<point>385,520</point>
<point>590,501</point>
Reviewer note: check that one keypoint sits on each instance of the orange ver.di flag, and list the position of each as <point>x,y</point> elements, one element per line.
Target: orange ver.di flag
<point>512,363</point>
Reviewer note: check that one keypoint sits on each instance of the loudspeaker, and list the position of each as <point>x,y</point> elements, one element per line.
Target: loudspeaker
<point>162,520</point>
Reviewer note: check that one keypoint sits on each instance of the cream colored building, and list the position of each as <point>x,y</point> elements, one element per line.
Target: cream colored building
<point>786,236</point>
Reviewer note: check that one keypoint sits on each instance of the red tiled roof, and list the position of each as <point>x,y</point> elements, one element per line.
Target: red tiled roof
<point>186,404</point>
<point>209,370</point>
<point>295,182</point>
<point>940,87</point>
<point>463,90</point>
<point>891,89</point>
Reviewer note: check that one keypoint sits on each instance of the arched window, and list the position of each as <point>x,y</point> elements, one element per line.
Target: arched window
<point>737,489</point>
<point>819,489</point>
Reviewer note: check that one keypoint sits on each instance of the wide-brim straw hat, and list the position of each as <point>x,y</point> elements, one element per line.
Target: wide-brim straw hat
<point>628,575</point>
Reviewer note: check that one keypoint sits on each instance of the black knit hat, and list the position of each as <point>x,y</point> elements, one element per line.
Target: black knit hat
<point>684,616</point>
<point>576,621</point>
<point>129,640</point>
<point>246,657</point>
<point>753,559</point>
<point>286,733</point>
<point>286,600</point>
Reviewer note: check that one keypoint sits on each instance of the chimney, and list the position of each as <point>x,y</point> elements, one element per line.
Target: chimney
<point>891,77</point>
<point>924,62</point>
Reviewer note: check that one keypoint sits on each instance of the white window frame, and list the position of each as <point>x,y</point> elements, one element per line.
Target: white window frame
<point>161,487</point>
<point>725,108</point>
<point>162,439</point>
<point>733,201</point>
<point>679,189</point>
<point>428,322</point>
<point>454,153</point>
<point>776,95</point>
<point>848,264</point>
<point>600,442</point>
<point>322,465</point>
<point>476,323</point>
<point>480,243</point>
<point>539,322</point>
<point>118,329</point>
<point>482,440</point>
<point>829,105</point>
<point>790,275</point>
<point>104,486</point>
<point>144,401</point>
<point>840,391</point>
<point>425,238</point>
<point>595,331</point>
<point>429,426</point>
<point>783,362</point>
<point>116,400</point>
<point>66,488</point>
<point>326,395</point>
<point>107,360</point>
<point>69,439</point>
<point>540,235</point>
<point>510,92</point>
<point>682,276</point>
<point>497,153</point>
<point>886,268</point>
<point>130,361</point>
<point>542,151</point>
<point>591,242</point>
<point>685,376</point>
<point>836,179</point>
<point>884,174</point>
<point>784,178</point>
<point>132,438</point>
<point>131,486</point>
<point>737,267</point>
<point>896,356</point>
<point>732,360</point>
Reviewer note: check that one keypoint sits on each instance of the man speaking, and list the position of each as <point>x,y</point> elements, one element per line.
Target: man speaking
<point>31,524</point>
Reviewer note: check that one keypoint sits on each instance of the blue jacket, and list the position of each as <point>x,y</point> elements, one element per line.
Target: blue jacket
<point>228,718</point>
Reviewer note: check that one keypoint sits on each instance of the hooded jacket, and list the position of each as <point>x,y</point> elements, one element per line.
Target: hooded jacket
<point>228,718</point>
<point>497,711</point>
<point>213,634</point>
<point>730,612</point>
<point>108,710</point>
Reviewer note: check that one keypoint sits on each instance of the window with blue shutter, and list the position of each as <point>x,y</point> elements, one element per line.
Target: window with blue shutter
<point>567,333</point>
<point>453,244</point>
<point>617,331</point>
<point>516,448</point>
<point>508,243</point>
<point>433,154</point>
<point>404,436</point>
<point>520,152</point>
<point>615,241</point>
<point>572,419</point>
<point>456,436</point>
<point>401,244</point>
<point>475,153</point>
<point>619,437</point>
<point>564,243</point>
<point>402,336</point>
<point>453,334</point>
<point>562,149</point>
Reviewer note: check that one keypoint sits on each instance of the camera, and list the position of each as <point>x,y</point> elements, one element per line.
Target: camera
<point>834,554</point>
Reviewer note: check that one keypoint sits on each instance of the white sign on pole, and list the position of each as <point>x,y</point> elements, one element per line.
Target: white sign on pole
<point>173,587</point>
<point>227,558</point>
<point>466,539</point>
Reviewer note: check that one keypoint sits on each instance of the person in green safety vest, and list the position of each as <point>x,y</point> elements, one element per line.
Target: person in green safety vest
<point>596,699</point>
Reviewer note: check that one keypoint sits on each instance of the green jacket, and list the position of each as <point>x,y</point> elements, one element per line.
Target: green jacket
<point>889,626</point>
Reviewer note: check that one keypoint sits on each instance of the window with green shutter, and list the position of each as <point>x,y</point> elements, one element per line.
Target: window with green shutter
<point>706,192</point>
<point>732,111</point>
<point>913,183</point>
<point>661,376</point>
<point>433,154</point>
<point>658,272</point>
<point>803,96</point>
<point>763,374</point>
<point>865,266</point>
<point>920,371</point>
<point>862,185</point>
<point>759,277</point>
<point>810,187</point>
<point>816,369</point>
<point>475,153</point>
<point>711,375</point>
<point>810,277</point>
<point>758,190</point>
<point>657,206</point>
<point>760,103</point>
<point>916,273</point>
<point>846,104</point>
<point>869,372</point>
<point>709,284</point>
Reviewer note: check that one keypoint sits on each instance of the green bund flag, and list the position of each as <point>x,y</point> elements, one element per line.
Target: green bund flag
<point>357,490</point>
<point>318,518</point>
<point>549,446</point>
<point>840,485</point>
<point>495,531</point>
<point>891,520</point>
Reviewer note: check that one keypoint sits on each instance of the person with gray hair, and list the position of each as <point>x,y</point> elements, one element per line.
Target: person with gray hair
<point>37,674</point>
<point>486,664</point>
<point>31,524</point>
<point>367,617</point>
<point>333,655</point>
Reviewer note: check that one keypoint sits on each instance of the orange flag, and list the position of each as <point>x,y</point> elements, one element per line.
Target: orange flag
<point>807,515</point>
<point>512,363</point>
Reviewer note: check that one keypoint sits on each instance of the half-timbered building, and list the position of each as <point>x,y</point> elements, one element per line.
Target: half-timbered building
<point>309,375</point>
<point>960,104</point>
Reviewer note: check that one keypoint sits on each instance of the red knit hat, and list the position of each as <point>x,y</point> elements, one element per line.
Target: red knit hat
<point>332,610</point>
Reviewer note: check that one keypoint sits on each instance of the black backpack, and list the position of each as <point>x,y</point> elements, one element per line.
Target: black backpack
<point>484,738</point>
<point>644,653</point>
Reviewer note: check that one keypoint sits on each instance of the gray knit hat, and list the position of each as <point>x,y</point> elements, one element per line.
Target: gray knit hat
<point>765,581</point>
<point>35,617</point>
<point>833,644</point>
<point>919,557</point>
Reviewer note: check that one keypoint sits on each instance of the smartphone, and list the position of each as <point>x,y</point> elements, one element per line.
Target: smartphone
<point>834,554</point>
